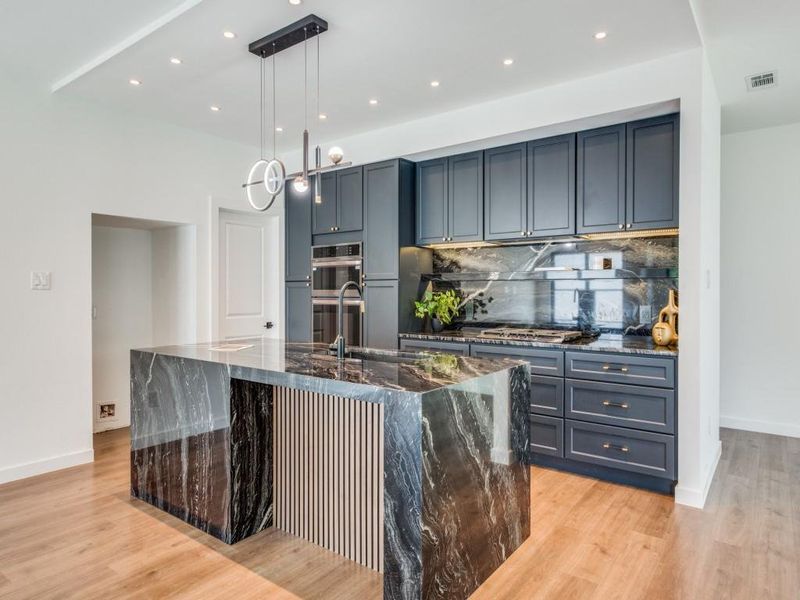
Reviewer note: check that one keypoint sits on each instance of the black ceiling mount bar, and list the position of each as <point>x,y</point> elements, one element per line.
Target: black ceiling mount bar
<point>286,37</point>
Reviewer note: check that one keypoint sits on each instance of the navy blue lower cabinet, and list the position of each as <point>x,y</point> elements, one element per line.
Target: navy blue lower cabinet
<point>637,407</point>
<point>543,362</point>
<point>547,395</point>
<point>547,435</point>
<point>627,449</point>
<point>621,368</point>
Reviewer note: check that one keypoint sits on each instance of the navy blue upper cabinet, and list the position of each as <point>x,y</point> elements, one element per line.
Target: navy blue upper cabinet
<point>342,203</point>
<point>349,199</point>
<point>505,193</point>
<point>601,180</point>
<point>551,186</point>
<point>325,212</point>
<point>652,165</point>
<point>432,201</point>
<point>465,198</point>
<point>298,234</point>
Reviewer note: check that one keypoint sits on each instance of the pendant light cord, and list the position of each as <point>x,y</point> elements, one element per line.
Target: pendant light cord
<point>261,106</point>
<point>305,76</point>
<point>318,113</point>
<point>274,121</point>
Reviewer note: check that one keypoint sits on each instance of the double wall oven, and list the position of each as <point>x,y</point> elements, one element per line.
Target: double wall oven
<point>332,267</point>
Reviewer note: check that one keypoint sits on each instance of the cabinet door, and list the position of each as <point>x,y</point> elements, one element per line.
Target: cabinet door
<point>325,212</point>
<point>505,201</point>
<point>551,186</point>
<point>298,311</point>
<point>652,166</point>
<point>432,201</point>
<point>380,314</point>
<point>349,200</point>
<point>465,197</point>
<point>381,241</point>
<point>298,234</point>
<point>601,180</point>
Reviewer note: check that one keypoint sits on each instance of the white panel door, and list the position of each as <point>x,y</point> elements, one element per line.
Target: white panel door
<point>249,295</point>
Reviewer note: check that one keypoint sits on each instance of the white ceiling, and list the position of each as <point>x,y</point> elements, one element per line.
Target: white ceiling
<point>385,50</point>
<point>745,37</point>
<point>379,49</point>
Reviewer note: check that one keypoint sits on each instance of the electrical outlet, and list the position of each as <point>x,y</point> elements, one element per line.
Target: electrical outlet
<point>107,411</point>
<point>645,314</point>
<point>40,280</point>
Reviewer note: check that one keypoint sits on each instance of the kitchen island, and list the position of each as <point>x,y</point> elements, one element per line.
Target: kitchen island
<point>412,464</point>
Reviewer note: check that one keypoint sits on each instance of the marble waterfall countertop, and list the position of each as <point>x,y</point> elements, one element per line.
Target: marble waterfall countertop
<point>607,342</point>
<point>309,366</point>
<point>423,455</point>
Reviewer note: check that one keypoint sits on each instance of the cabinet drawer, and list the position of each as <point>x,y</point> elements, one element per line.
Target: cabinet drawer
<point>651,409</point>
<point>543,362</point>
<point>547,395</point>
<point>627,449</point>
<point>621,368</point>
<point>547,435</point>
<point>433,346</point>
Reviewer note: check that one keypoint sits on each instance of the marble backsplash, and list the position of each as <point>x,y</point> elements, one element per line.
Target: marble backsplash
<point>501,284</point>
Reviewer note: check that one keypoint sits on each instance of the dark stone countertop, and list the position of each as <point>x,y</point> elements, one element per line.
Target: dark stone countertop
<point>607,342</point>
<point>308,366</point>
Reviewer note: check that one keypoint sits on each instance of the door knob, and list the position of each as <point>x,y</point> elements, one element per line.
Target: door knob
<point>269,325</point>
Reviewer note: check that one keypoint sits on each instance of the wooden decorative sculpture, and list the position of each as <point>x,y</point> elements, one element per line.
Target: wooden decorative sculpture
<point>665,332</point>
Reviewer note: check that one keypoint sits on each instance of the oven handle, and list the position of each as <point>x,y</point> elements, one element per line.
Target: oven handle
<point>334,302</point>
<point>337,262</point>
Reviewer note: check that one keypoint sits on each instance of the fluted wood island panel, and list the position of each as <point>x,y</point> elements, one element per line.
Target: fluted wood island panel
<point>410,464</point>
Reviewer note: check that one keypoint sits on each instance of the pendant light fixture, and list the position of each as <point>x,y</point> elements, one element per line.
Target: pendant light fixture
<point>270,45</point>
<point>272,172</point>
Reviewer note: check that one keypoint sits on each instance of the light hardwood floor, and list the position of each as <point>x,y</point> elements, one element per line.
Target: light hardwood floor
<point>77,534</point>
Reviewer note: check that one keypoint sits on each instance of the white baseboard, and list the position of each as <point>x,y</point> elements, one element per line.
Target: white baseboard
<point>694,497</point>
<point>787,429</point>
<point>46,465</point>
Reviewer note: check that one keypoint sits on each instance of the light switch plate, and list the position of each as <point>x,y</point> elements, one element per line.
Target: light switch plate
<point>40,280</point>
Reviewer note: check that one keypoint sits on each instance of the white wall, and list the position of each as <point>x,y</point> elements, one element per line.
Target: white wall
<point>760,212</point>
<point>60,161</point>
<point>683,77</point>
<point>174,272</point>
<point>122,300</point>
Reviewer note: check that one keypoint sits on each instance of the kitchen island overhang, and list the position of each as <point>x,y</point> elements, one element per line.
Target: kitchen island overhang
<point>410,464</point>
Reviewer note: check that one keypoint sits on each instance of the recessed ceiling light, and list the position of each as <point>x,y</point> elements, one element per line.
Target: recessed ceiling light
<point>373,101</point>
<point>175,60</point>
<point>279,129</point>
<point>323,116</point>
<point>434,83</point>
<point>229,34</point>
<point>214,108</point>
<point>295,2</point>
<point>509,61</point>
<point>134,82</point>
<point>600,35</point>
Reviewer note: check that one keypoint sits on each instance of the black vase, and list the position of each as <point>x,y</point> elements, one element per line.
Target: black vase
<point>436,325</point>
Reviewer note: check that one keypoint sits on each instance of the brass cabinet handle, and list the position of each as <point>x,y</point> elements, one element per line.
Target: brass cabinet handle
<point>615,404</point>
<point>610,446</point>
<point>622,369</point>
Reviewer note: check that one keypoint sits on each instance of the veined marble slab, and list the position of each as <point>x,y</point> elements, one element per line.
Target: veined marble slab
<point>456,496</point>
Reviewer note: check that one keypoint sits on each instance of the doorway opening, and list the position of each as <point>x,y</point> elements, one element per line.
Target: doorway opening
<point>144,294</point>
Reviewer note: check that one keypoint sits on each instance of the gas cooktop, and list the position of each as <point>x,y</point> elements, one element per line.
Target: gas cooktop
<point>553,336</point>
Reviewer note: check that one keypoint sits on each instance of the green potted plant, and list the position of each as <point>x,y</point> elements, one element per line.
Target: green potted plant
<point>441,307</point>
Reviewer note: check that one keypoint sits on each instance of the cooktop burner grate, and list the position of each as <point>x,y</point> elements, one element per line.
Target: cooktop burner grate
<point>557,336</point>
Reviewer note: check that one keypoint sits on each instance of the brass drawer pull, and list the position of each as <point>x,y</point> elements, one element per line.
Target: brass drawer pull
<point>610,446</point>
<point>620,369</point>
<point>615,404</point>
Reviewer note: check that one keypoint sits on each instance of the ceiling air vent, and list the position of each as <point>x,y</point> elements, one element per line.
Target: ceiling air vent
<point>762,81</point>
